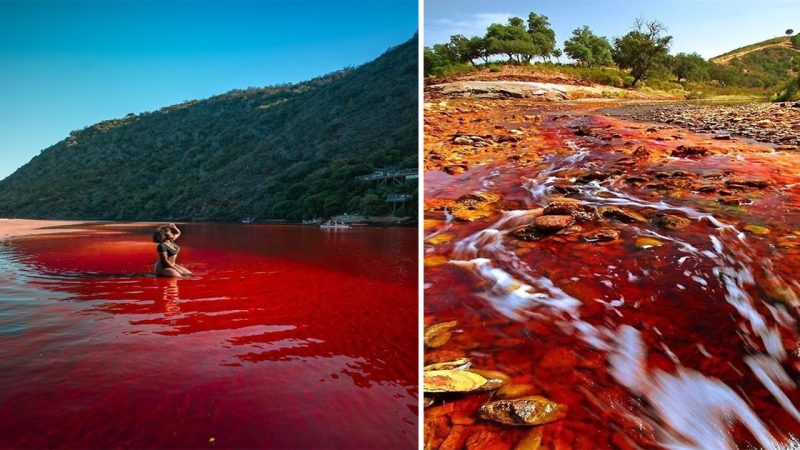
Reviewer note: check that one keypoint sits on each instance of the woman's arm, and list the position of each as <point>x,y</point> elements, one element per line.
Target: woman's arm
<point>175,231</point>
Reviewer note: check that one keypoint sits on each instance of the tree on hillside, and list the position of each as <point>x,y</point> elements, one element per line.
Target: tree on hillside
<point>588,49</point>
<point>789,32</point>
<point>795,40</point>
<point>511,40</point>
<point>690,67</point>
<point>644,49</point>
<point>542,35</point>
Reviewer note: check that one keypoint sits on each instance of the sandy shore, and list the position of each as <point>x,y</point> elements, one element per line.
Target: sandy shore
<point>30,227</point>
<point>25,227</point>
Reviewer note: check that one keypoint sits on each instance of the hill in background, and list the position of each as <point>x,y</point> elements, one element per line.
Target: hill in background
<point>767,63</point>
<point>283,152</point>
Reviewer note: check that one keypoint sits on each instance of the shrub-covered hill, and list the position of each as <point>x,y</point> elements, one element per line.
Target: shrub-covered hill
<point>283,152</point>
<point>766,64</point>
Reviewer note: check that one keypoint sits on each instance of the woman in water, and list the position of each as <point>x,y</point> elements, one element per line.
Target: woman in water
<point>167,249</point>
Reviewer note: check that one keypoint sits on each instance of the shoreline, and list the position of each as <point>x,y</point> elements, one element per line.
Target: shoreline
<point>12,228</point>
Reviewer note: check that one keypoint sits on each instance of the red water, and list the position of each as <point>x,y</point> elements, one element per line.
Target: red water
<point>285,337</point>
<point>649,348</point>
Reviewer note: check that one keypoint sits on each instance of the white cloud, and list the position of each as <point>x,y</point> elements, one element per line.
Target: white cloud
<point>440,30</point>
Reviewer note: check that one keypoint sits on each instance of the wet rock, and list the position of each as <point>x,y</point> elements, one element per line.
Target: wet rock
<point>475,206</point>
<point>437,335</point>
<point>756,229</point>
<point>623,215</point>
<point>583,131</point>
<point>568,206</point>
<point>646,242</point>
<point>440,381</point>
<point>495,379</point>
<point>502,139</point>
<point>706,188</point>
<point>456,364</point>
<point>551,224</point>
<point>734,200</point>
<point>637,179</point>
<point>533,410</point>
<point>683,151</point>
<point>428,401</point>
<point>455,169</point>
<point>602,235</point>
<point>594,175</point>
<point>723,137</point>
<point>744,183</point>
<point>641,153</point>
<point>672,222</point>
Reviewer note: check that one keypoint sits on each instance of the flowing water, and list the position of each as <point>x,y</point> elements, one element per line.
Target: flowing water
<point>286,336</point>
<point>689,341</point>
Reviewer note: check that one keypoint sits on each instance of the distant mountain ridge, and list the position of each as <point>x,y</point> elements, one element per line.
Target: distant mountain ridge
<point>283,152</point>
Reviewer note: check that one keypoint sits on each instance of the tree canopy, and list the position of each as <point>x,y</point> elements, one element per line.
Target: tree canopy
<point>588,49</point>
<point>643,50</point>
<point>690,67</point>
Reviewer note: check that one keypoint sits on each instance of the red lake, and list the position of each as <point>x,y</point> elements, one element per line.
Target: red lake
<point>286,336</point>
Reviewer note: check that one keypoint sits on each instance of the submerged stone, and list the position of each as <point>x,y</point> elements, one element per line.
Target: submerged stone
<point>672,222</point>
<point>533,410</point>
<point>551,224</point>
<point>646,242</point>
<point>602,235</point>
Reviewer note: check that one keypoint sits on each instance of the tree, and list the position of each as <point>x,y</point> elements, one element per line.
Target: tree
<point>469,49</point>
<point>588,49</point>
<point>440,55</point>
<point>558,53</point>
<point>690,67</point>
<point>643,49</point>
<point>789,32</point>
<point>511,40</point>
<point>542,35</point>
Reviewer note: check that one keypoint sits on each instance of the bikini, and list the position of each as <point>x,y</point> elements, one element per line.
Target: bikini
<point>163,248</point>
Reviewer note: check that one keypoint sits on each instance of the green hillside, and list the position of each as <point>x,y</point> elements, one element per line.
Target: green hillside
<point>282,152</point>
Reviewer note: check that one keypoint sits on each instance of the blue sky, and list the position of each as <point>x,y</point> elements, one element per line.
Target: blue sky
<point>709,27</point>
<point>65,65</point>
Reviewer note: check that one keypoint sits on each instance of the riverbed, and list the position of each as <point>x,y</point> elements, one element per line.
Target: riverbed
<point>641,275</point>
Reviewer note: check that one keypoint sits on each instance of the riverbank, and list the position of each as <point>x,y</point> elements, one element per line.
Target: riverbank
<point>775,123</point>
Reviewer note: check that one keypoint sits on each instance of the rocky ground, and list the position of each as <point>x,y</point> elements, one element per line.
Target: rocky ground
<point>776,123</point>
